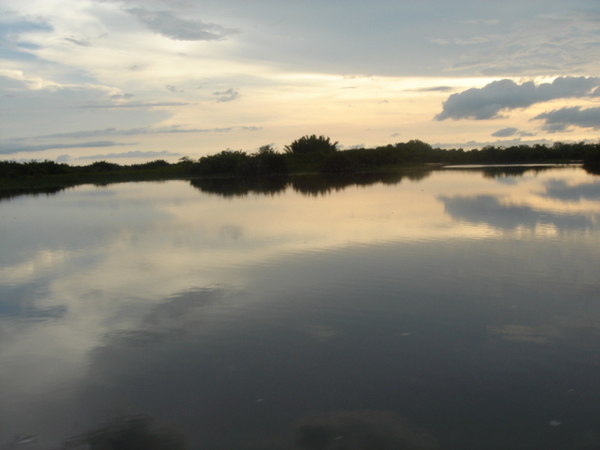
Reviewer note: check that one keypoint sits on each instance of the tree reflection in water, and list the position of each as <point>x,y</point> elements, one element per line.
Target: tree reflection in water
<point>310,185</point>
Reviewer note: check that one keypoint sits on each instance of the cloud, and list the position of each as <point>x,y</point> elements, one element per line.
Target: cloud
<point>503,95</point>
<point>561,119</point>
<point>511,131</point>
<point>434,89</point>
<point>10,148</point>
<point>132,105</point>
<point>12,29</point>
<point>142,131</point>
<point>505,132</point>
<point>227,96</point>
<point>166,24</point>
<point>122,96</point>
<point>134,154</point>
<point>459,41</point>
<point>550,42</point>
<point>79,42</point>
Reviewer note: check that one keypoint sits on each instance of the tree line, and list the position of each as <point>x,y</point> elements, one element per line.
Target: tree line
<point>313,153</point>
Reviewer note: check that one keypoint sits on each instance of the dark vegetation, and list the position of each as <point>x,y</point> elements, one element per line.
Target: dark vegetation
<point>309,154</point>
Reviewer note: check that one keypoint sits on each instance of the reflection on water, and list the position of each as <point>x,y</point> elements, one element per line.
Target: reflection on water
<point>504,170</point>
<point>17,192</point>
<point>439,309</point>
<point>312,185</point>
<point>560,190</point>
<point>509,216</point>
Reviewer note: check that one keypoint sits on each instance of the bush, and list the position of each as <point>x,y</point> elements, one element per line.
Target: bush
<point>338,163</point>
<point>225,162</point>
<point>103,166</point>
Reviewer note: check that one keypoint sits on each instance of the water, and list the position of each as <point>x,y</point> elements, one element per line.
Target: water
<point>450,309</point>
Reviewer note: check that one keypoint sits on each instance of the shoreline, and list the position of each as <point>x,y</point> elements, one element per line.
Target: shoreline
<point>52,184</point>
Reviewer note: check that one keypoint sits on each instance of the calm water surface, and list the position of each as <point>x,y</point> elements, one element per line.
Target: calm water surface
<point>455,309</point>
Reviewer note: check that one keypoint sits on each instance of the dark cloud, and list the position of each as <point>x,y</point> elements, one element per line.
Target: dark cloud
<point>504,95</point>
<point>79,42</point>
<point>166,24</point>
<point>10,148</point>
<point>172,88</point>
<point>134,154</point>
<point>561,119</point>
<point>505,132</point>
<point>511,131</point>
<point>227,96</point>
<point>490,210</point>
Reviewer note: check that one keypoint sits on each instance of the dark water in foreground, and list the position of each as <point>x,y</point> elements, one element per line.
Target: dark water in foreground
<point>450,310</point>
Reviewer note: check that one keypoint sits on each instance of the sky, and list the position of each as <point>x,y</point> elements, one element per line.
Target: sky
<point>131,81</point>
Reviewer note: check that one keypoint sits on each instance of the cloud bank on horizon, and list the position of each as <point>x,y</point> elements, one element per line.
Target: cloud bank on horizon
<point>195,77</point>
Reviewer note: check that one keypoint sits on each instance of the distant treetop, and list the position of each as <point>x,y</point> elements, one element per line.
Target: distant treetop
<point>312,144</point>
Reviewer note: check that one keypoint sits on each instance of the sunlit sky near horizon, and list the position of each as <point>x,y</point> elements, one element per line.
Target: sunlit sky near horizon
<point>132,80</point>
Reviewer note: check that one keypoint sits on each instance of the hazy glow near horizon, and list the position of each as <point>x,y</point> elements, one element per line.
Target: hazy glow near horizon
<point>133,80</point>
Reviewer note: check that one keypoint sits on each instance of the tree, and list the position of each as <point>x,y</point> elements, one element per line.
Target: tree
<point>312,144</point>
<point>266,150</point>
